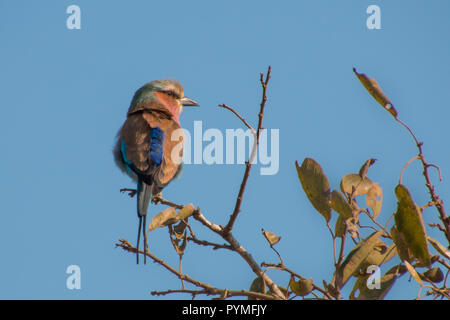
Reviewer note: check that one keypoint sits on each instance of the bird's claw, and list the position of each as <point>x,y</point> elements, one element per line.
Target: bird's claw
<point>156,198</point>
<point>131,192</point>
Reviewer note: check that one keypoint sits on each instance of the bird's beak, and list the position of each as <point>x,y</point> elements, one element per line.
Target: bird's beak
<point>186,102</point>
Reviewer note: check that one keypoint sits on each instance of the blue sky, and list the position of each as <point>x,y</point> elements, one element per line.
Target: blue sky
<point>64,94</point>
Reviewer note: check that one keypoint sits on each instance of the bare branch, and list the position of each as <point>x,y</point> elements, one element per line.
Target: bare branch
<point>405,166</point>
<point>207,289</point>
<point>223,293</point>
<point>241,251</point>
<point>211,244</point>
<point>239,116</point>
<point>248,164</point>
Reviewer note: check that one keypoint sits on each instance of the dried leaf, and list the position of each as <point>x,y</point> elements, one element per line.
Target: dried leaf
<point>183,244</point>
<point>340,205</point>
<point>316,186</point>
<point>434,275</point>
<point>365,168</point>
<point>352,228</point>
<point>374,199</point>
<point>301,287</point>
<point>271,237</point>
<point>374,89</point>
<point>380,254</point>
<point>178,230</point>
<point>439,247</point>
<point>163,218</point>
<point>365,293</point>
<point>413,272</point>
<point>355,258</point>
<point>186,211</point>
<point>285,291</point>
<point>354,181</point>
<point>331,289</point>
<point>170,216</point>
<point>176,241</point>
<point>408,221</point>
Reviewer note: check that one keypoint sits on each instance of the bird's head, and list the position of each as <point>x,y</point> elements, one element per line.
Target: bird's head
<point>161,95</point>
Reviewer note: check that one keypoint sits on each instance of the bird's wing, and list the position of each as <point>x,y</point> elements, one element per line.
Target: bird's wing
<point>171,149</point>
<point>135,145</point>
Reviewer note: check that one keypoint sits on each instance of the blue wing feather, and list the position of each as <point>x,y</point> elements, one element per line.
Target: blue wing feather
<point>156,150</point>
<point>123,151</point>
<point>156,145</point>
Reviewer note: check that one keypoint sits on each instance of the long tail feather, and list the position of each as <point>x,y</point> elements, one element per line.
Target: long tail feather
<point>145,239</point>
<point>138,240</point>
<point>144,192</point>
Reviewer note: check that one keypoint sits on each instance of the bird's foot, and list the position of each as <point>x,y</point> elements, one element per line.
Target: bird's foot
<point>131,192</point>
<point>156,198</point>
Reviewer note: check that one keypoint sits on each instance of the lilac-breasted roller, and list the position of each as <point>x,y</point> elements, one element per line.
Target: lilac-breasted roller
<point>144,145</point>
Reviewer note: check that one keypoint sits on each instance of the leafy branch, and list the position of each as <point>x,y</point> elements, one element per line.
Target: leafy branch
<point>402,237</point>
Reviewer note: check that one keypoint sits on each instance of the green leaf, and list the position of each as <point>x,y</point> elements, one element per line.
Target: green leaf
<point>408,221</point>
<point>257,286</point>
<point>301,287</point>
<point>434,275</point>
<point>353,180</point>
<point>316,186</point>
<point>439,247</point>
<point>340,227</point>
<point>340,205</point>
<point>413,272</point>
<point>355,258</point>
<point>402,247</point>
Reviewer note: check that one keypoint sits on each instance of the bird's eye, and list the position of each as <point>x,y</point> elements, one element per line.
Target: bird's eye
<point>171,93</point>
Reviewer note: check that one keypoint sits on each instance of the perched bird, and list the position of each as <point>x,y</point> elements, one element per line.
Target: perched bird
<point>144,146</point>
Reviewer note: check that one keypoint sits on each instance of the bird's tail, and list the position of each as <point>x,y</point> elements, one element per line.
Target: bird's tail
<point>144,192</point>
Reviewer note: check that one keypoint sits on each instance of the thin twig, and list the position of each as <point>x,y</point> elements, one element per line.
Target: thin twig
<point>278,254</point>
<point>429,204</point>
<point>405,166</point>
<point>240,250</point>
<point>239,116</point>
<point>434,197</point>
<point>334,243</point>
<point>248,165</point>
<point>124,244</point>
<point>224,293</point>
<point>437,225</point>
<point>234,245</point>
<point>293,273</point>
<point>387,234</point>
<point>211,244</point>
<point>341,251</point>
